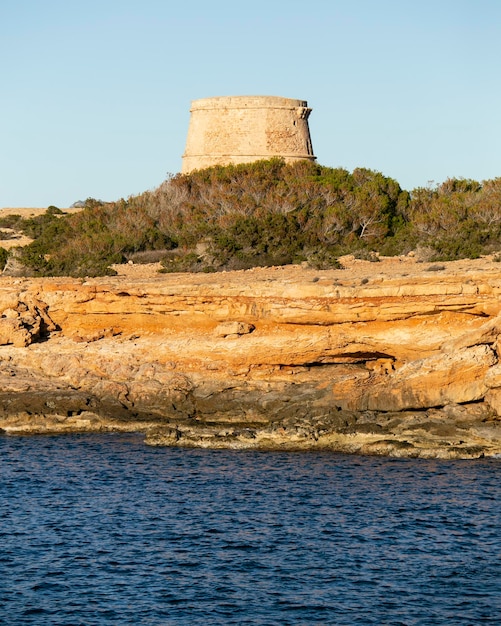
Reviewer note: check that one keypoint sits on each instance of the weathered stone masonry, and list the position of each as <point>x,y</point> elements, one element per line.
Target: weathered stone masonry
<point>242,129</point>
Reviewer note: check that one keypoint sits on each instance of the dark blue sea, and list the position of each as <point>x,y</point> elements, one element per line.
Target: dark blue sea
<point>101,529</point>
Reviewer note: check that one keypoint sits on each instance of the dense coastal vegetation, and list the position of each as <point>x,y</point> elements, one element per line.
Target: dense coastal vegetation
<point>264,213</point>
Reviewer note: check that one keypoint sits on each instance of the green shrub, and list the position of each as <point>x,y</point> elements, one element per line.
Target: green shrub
<point>4,255</point>
<point>266,213</point>
<point>11,221</point>
<point>367,255</point>
<point>467,242</point>
<point>190,262</point>
<point>323,259</point>
<point>53,210</point>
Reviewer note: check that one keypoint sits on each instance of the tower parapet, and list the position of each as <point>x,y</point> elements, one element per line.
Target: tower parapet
<point>242,129</point>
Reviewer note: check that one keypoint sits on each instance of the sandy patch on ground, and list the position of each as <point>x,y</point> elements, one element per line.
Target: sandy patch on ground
<point>354,271</point>
<point>30,212</point>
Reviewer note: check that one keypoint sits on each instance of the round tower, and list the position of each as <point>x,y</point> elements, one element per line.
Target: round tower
<point>241,129</point>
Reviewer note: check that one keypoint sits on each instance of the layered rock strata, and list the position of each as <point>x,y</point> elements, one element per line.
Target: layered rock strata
<point>363,360</point>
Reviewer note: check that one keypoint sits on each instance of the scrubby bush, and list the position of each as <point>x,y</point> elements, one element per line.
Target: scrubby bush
<point>4,255</point>
<point>367,255</point>
<point>461,218</point>
<point>267,213</point>
<point>11,221</point>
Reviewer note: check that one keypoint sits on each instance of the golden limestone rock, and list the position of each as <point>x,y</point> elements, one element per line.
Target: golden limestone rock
<point>393,360</point>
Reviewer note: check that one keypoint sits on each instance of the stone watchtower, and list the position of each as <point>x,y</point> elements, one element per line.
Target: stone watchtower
<point>242,129</point>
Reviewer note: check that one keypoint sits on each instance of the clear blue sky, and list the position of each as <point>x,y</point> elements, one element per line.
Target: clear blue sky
<point>95,94</point>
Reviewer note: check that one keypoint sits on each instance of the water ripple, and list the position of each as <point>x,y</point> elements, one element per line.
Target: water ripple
<point>102,530</point>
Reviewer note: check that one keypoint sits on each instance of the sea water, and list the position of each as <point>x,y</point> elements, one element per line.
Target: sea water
<point>101,529</point>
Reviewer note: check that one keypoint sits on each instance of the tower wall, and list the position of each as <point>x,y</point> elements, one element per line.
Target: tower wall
<point>241,129</point>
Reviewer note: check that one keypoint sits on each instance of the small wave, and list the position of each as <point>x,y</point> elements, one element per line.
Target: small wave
<point>210,537</point>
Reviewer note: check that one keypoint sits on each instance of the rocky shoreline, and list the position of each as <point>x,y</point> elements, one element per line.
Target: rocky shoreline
<point>394,358</point>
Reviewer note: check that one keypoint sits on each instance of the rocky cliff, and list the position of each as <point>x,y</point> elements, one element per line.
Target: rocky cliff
<point>399,359</point>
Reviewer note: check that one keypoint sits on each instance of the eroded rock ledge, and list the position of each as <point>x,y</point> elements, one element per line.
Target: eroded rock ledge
<point>401,361</point>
